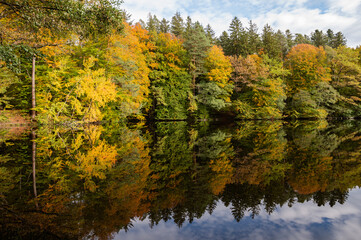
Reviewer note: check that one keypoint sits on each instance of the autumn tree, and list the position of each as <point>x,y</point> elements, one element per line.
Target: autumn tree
<point>127,64</point>
<point>170,84</point>
<point>345,78</point>
<point>259,87</point>
<point>308,67</point>
<point>215,91</point>
<point>40,23</point>
<point>7,79</point>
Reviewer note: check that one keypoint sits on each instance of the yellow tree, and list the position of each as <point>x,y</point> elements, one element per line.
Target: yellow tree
<point>308,66</point>
<point>126,55</point>
<point>216,91</point>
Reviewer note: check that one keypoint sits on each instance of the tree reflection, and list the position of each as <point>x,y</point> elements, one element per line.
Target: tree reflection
<point>93,181</point>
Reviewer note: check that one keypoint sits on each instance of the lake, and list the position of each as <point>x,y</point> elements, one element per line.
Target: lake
<point>175,180</point>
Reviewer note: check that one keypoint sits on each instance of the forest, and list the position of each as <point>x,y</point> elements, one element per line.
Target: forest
<point>85,61</point>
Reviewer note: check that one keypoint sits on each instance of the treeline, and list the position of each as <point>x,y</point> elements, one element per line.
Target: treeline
<point>88,63</point>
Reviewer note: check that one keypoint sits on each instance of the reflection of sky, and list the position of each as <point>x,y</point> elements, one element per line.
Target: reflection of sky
<point>301,221</point>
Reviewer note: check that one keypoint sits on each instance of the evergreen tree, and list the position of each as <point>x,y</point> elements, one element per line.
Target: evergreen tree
<point>164,26</point>
<point>210,34</point>
<point>223,41</point>
<point>301,39</point>
<point>282,43</point>
<point>270,43</point>
<point>188,27</point>
<point>197,45</point>
<point>318,38</point>
<point>153,24</point>
<point>177,25</point>
<point>237,38</point>
<point>254,41</point>
<point>330,38</point>
<point>339,40</point>
<point>290,41</point>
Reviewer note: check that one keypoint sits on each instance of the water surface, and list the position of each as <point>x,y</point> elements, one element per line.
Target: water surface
<point>173,180</point>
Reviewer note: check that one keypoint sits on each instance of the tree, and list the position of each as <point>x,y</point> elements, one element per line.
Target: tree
<point>127,60</point>
<point>308,66</point>
<point>216,90</point>
<point>290,40</point>
<point>339,40</point>
<point>269,43</point>
<point>318,38</point>
<point>346,79</point>
<point>164,26</point>
<point>27,22</point>
<point>301,39</point>
<point>210,34</point>
<point>282,43</point>
<point>197,45</point>
<point>259,88</point>
<point>309,76</point>
<point>224,42</point>
<point>330,38</point>
<point>153,24</point>
<point>7,79</point>
<point>237,38</point>
<point>170,82</point>
<point>253,39</point>
<point>177,25</point>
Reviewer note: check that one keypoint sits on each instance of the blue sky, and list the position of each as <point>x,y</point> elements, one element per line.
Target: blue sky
<point>300,16</point>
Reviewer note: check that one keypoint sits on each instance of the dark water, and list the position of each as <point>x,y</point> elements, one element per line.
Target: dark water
<point>247,180</point>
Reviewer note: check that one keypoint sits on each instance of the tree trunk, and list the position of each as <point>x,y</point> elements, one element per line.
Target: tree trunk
<point>194,78</point>
<point>33,97</point>
<point>33,138</point>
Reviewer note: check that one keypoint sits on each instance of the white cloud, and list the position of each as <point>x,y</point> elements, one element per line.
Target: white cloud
<point>305,20</point>
<point>300,16</point>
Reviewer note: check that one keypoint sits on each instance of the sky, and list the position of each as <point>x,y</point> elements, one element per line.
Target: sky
<point>299,16</point>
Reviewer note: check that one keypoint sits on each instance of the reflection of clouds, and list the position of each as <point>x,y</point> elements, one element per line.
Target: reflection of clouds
<point>348,229</point>
<point>301,221</point>
<point>220,213</point>
<point>141,230</point>
<point>308,212</point>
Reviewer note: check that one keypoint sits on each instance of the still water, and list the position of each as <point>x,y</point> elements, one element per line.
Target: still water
<point>172,180</point>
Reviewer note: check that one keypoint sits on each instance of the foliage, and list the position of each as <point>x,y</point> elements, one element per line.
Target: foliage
<point>81,97</point>
<point>126,57</point>
<point>167,70</point>
<point>307,65</point>
<point>345,78</point>
<point>216,89</point>
<point>7,78</point>
<point>170,82</point>
<point>260,92</point>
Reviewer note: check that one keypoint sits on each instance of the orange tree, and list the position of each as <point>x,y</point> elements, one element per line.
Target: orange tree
<point>307,64</point>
